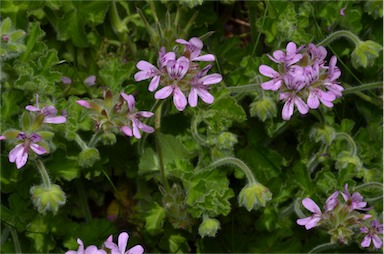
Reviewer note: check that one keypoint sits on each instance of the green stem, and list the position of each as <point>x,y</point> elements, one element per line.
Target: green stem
<point>43,173</point>
<point>350,140</point>
<point>4,235</point>
<point>324,246</point>
<point>373,184</point>
<point>244,89</point>
<point>94,139</point>
<point>80,142</point>
<point>363,87</point>
<point>158,148</point>
<point>338,34</point>
<point>195,122</point>
<point>83,201</point>
<point>15,240</point>
<point>237,162</point>
<point>297,209</point>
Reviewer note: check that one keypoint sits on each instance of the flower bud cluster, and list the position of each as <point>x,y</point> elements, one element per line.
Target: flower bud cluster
<point>182,76</point>
<point>303,79</point>
<point>341,218</point>
<point>117,114</point>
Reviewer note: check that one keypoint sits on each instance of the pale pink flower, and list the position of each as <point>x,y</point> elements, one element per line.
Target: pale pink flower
<point>333,74</point>
<point>148,70</point>
<point>121,247</point>
<point>194,46</point>
<point>49,112</point>
<point>92,249</point>
<point>311,221</point>
<point>316,95</point>
<point>289,57</point>
<point>90,81</point>
<point>372,235</point>
<point>354,201</point>
<point>331,202</point>
<point>134,125</point>
<point>19,153</point>
<point>275,83</point>
<point>200,84</point>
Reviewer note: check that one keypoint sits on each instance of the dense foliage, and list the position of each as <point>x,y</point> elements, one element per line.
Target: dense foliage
<point>195,126</point>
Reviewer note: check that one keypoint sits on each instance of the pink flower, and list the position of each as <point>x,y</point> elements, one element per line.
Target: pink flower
<point>311,221</point>
<point>289,57</point>
<point>134,124</point>
<point>50,113</point>
<point>176,71</point>
<point>90,81</point>
<point>19,153</point>
<point>372,235</point>
<point>316,95</point>
<point>121,247</point>
<point>148,70</point>
<point>331,202</point>
<point>200,85</point>
<point>333,74</point>
<point>92,249</point>
<point>354,201</point>
<point>277,79</point>
<point>194,46</point>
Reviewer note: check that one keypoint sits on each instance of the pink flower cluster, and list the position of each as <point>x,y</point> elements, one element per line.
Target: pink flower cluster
<point>180,77</point>
<point>343,215</point>
<point>303,79</point>
<point>120,248</point>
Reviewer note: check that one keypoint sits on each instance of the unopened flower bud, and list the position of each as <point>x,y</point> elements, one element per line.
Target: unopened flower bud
<point>365,54</point>
<point>47,198</point>
<point>263,108</point>
<point>253,196</point>
<point>5,38</point>
<point>209,227</point>
<point>108,138</point>
<point>88,157</point>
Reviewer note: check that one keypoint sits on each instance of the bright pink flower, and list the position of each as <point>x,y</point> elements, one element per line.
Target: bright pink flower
<point>19,153</point>
<point>194,46</point>
<point>92,249</point>
<point>200,84</point>
<point>372,235</point>
<point>50,113</point>
<point>311,221</point>
<point>121,247</point>
<point>134,124</point>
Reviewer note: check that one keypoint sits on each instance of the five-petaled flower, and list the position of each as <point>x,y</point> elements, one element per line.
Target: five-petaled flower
<point>372,232</point>
<point>19,153</point>
<point>92,249</point>
<point>134,124</point>
<point>121,247</point>
<point>49,112</point>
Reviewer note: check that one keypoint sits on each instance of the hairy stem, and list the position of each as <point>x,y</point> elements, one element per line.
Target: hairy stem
<point>363,87</point>
<point>345,136</point>
<point>158,148</point>
<point>15,240</point>
<point>245,88</point>
<point>80,142</point>
<point>195,122</point>
<point>324,246</point>
<point>338,34</point>
<point>237,162</point>
<point>44,174</point>
<point>94,139</point>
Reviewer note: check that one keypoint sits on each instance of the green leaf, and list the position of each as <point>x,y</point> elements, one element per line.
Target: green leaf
<point>5,26</point>
<point>39,233</point>
<point>155,219</point>
<point>302,177</point>
<point>149,161</point>
<point>59,167</point>
<point>178,244</point>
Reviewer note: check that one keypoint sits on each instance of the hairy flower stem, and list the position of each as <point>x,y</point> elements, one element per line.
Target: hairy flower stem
<point>195,122</point>
<point>80,142</point>
<point>16,242</point>
<point>363,87</point>
<point>345,136</point>
<point>370,185</point>
<point>325,246</point>
<point>158,148</point>
<point>94,139</point>
<point>245,88</point>
<point>338,34</point>
<point>43,173</point>
<point>237,162</point>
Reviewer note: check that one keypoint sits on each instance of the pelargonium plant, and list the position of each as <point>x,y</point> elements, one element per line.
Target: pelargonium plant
<point>303,78</point>
<point>180,76</point>
<point>345,219</point>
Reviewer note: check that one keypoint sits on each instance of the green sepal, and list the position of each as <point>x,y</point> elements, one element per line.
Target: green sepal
<point>38,122</point>
<point>5,26</point>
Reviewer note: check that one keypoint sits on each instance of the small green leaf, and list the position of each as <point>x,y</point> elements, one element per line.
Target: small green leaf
<point>155,219</point>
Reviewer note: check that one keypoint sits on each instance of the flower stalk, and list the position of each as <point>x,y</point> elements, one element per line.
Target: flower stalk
<point>338,34</point>
<point>44,174</point>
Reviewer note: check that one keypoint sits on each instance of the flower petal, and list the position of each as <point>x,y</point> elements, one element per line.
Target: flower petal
<point>287,111</point>
<point>205,58</point>
<point>138,249</point>
<point>267,71</point>
<point>55,119</point>
<point>38,149</point>
<point>130,101</point>
<point>154,83</point>
<point>192,97</point>
<point>366,241</point>
<point>17,151</point>
<point>205,95</point>
<point>211,79</point>
<point>179,99</point>
<point>164,92</point>
<point>127,131</point>
<point>301,106</point>
<point>377,241</point>
<point>310,205</point>
<point>122,241</point>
